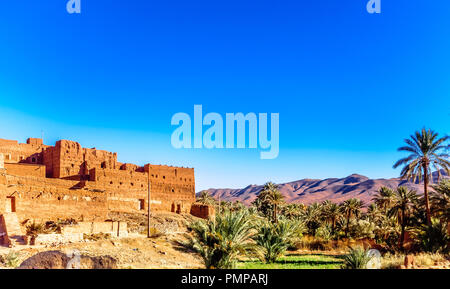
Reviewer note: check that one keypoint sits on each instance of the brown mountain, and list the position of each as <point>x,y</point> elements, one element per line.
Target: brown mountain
<point>308,191</point>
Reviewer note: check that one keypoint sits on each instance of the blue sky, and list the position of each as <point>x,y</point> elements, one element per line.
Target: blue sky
<point>348,85</point>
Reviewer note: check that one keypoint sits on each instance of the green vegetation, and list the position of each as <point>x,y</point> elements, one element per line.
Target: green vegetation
<point>356,258</point>
<point>221,240</point>
<point>297,261</point>
<point>399,221</point>
<point>12,260</point>
<point>425,151</point>
<point>272,240</point>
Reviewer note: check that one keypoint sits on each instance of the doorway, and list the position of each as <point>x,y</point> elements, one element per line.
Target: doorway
<point>11,204</point>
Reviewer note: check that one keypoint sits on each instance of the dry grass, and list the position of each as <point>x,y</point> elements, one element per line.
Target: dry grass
<point>310,243</point>
<point>425,260</point>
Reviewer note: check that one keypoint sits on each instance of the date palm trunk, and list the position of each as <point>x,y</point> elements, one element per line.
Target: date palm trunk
<point>403,225</point>
<point>275,218</point>
<point>425,191</point>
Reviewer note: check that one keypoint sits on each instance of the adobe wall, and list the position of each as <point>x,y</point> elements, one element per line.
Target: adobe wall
<point>25,170</point>
<point>44,199</point>
<point>172,188</point>
<point>69,181</point>
<point>127,191</point>
<point>15,152</point>
<point>67,159</point>
<point>202,211</point>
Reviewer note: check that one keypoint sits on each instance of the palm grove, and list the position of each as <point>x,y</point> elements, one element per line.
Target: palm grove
<point>398,219</point>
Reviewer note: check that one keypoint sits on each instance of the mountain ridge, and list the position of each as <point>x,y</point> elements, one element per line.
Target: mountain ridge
<point>308,191</point>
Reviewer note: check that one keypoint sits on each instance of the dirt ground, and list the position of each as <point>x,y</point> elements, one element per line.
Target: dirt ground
<point>163,250</point>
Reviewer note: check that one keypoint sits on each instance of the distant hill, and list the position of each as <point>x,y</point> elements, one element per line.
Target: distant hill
<point>308,191</point>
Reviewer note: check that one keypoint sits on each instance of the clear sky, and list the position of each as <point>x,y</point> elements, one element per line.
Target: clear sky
<point>348,85</point>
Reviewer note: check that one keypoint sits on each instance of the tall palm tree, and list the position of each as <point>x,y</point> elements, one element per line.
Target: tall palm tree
<point>312,217</point>
<point>272,196</point>
<point>402,208</point>
<point>425,148</point>
<point>331,212</point>
<point>384,198</point>
<point>351,207</point>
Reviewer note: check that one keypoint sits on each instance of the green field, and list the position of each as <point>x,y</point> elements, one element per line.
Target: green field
<point>297,261</point>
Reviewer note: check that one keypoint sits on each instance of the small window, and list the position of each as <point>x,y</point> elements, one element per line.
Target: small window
<point>141,204</point>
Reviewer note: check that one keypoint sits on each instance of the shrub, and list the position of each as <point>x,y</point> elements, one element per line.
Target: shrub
<point>433,238</point>
<point>12,260</point>
<point>274,239</point>
<point>356,258</point>
<point>96,236</point>
<point>324,232</point>
<point>34,229</point>
<point>221,240</point>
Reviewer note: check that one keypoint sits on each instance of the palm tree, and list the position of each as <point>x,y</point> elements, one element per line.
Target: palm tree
<point>292,211</point>
<point>205,198</point>
<point>331,212</point>
<point>425,147</point>
<point>274,239</point>
<point>312,217</point>
<point>384,198</point>
<point>221,241</point>
<point>351,207</point>
<point>440,200</point>
<point>271,196</point>
<point>402,208</point>
<point>373,213</point>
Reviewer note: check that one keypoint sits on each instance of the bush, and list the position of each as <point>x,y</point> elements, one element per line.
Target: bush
<point>274,239</point>
<point>356,258</point>
<point>34,229</point>
<point>12,260</point>
<point>221,240</point>
<point>433,238</point>
<point>97,236</point>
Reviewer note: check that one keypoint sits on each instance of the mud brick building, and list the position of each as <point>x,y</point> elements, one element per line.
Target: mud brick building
<point>41,182</point>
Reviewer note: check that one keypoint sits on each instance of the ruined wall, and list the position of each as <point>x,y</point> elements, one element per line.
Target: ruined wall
<point>25,170</point>
<point>70,161</point>
<point>15,152</point>
<point>69,181</point>
<point>44,199</point>
<point>127,191</point>
<point>202,211</point>
<point>172,188</point>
